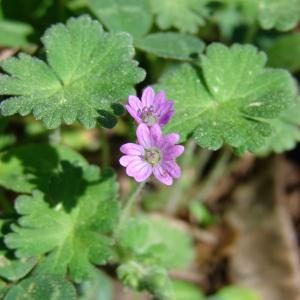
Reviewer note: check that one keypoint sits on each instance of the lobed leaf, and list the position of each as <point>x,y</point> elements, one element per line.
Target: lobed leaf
<point>13,269</point>
<point>280,14</point>
<point>230,99</point>
<point>149,247</point>
<point>157,241</point>
<point>29,167</point>
<point>286,132</point>
<point>98,287</point>
<point>133,16</point>
<point>186,16</point>
<point>71,225</point>
<point>42,287</point>
<point>171,45</point>
<point>87,71</point>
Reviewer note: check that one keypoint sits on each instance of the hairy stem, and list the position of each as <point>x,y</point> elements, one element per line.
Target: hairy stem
<point>177,199</point>
<point>129,203</point>
<point>215,174</point>
<point>180,185</point>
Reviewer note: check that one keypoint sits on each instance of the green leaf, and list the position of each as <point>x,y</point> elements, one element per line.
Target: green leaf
<point>280,56</point>
<point>230,99</point>
<point>186,290</point>
<point>234,13</point>
<point>133,16</point>
<point>71,225</point>
<point>29,167</point>
<point>286,132</point>
<point>88,70</point>
<point>44,287</point>
<point>148,248</point>
<point>14,34</point>
<point>186,16</point>
<point>157,241</point>
<point>99,287</point>
<point>13,269</point>
<point>171,45</point>
<point>280,14</point>
<point>151,278</point>
<point>3,289</point>
<point>235,293</point>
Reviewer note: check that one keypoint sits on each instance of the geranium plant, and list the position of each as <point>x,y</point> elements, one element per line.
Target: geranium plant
<point>117,119</point>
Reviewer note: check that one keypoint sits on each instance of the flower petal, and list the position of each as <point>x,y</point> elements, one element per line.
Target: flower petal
<point>172,168</point>
<point>161,175</point>
<point>148,96</point>
<point>165,107</point>
<point>132,149</point>
<point>135,103</point>
<point>133,113</point>
<point>135,167</point>
<point>159,99</point>
<point>143,135</point>
<point>156,135</point>
<point>165,118</point>
<point>144,173</point>
<point>125,160</point>
<point>172,138</point>
<point>173,152</point>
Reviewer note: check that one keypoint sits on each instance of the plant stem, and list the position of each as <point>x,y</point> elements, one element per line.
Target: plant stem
<point>129,203</point>
<point>177,199</point>
<point>180,185</point>
<point>55,136</point>
<point>105,151</point>
<point>214,176</point>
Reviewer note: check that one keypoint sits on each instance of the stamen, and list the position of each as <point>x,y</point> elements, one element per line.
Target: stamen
<point>148,115</point>
<point>152,156</point>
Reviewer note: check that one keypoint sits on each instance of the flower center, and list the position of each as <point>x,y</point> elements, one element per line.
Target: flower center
<point>148,115</point>
<point>152,156</point>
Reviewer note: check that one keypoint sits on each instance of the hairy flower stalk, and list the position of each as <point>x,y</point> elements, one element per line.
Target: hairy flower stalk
<point>151,109</point>
<point>154,153</point>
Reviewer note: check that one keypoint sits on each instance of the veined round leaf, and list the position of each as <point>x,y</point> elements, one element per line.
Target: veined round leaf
<point>44,287</point>
<point>185,15</point>
<point>133,16</point>
<point>29,167</point>
<point>70,225</point>
<point>280,55</point>
<point>171,45</point>
<point>87,71</point>
<point>230,99</point>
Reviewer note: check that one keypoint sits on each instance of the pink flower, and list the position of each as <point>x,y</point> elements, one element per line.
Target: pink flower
<point>152,109</point>
<point>154,154</point>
